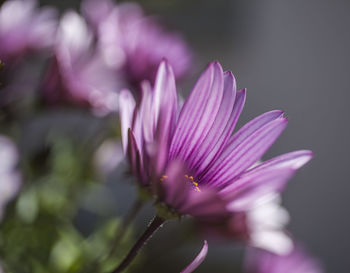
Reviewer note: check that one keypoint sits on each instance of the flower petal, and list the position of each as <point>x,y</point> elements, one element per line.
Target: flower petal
<point>198,260</point>
<point>198,114</point>
<point>293,160</point>
<point>126,106</point>
<point>165,112</point>
<point>206,205</point>
<point>135,159</point>
<point>220,144</point>
<point>217,130</point>
<point>236,159</point>
<point>176,188</point>
<point>251,187</point>
<point>254,125</point>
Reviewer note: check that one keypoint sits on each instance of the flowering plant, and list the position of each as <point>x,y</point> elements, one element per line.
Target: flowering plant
<point>90,100</point>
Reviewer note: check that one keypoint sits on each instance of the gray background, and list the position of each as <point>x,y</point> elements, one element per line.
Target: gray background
<point>291,55</point>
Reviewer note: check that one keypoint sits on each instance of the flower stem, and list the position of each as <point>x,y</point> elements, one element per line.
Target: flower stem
<point>152,227</point>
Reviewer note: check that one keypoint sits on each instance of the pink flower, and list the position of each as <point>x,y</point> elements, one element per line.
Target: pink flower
<point>79,74</point>
<point>135,44</point>
<point>188,159</point>
<point>10,179</point>
<point>23,27</point>
<point>297,261</point>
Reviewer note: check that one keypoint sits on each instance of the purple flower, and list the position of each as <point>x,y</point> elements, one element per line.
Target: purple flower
<point>79,74</point>
<point>9,176</point>
<point>23,28</point>
<point>133,43</point>
<point>189,159</point>
<point>297,261</point>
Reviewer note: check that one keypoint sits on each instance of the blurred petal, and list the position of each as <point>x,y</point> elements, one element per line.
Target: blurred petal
<point>175,185</point>
<point>245,191</point>
<point>135,157</point>
<point>297,261</point>
<point>275,241</point>
<point>126,106</point>
<point>198,260</point>
<point>205,204</point>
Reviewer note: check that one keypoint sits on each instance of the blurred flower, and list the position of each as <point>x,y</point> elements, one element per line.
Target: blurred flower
<point>135,44</point>
<point>108,156</point>
<point>198,260</point>
<point>9,176</point>
<point>23,28</point>
<point>79,74</point>
<point>192,163</point>
<point>261,226</point>
<point>297,261</point>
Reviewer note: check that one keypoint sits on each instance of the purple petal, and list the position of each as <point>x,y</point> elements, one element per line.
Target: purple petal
<point>198,260</point>
<point>175,185</point>
<point>126,110</point>
<point>134,157</point>
<point>198,113</point>
<point>96,10</point>
<point>254,125</point>
<point>147,120</point>
<point>297,260</point>
<point>236,159</point>
<point>252,186</point>
<point>215,152</point>
<point>293,160</point>
<point>217,132</point>
<point>165,111</point>
<point>207,205</point>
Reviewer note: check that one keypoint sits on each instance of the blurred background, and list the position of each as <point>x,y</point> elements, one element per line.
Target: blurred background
<point>290,55</point>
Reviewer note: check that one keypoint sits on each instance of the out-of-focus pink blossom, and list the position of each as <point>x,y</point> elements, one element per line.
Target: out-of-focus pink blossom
<point>9,176</point>
<point>261,226</point>
<point>133,43</point>
<point>78,73</point>
<point>296,261</point>
<point>192,164</point>
<point>23,27</point>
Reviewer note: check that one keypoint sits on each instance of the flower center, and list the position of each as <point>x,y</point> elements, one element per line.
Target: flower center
<point>194,183</point>
<point>189,178</point>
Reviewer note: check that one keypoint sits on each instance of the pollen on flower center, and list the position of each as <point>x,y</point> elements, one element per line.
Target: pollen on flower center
<point>189,177</point>
<point>163,178</point>
<point>194,183</point>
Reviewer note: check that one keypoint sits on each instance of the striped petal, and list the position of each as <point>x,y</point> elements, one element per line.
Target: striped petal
<point>199,113</point>
<point>244,152</point>
<point>220,124</point>
<point>252,187</point>
<point>135,159</point>
<point>165,97</point>
<point>220,144</point>
<point>126,106</point>
<point>165,112</point>
<point>198,260</point>
<point>253,125</point>
<point>293,160</point>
